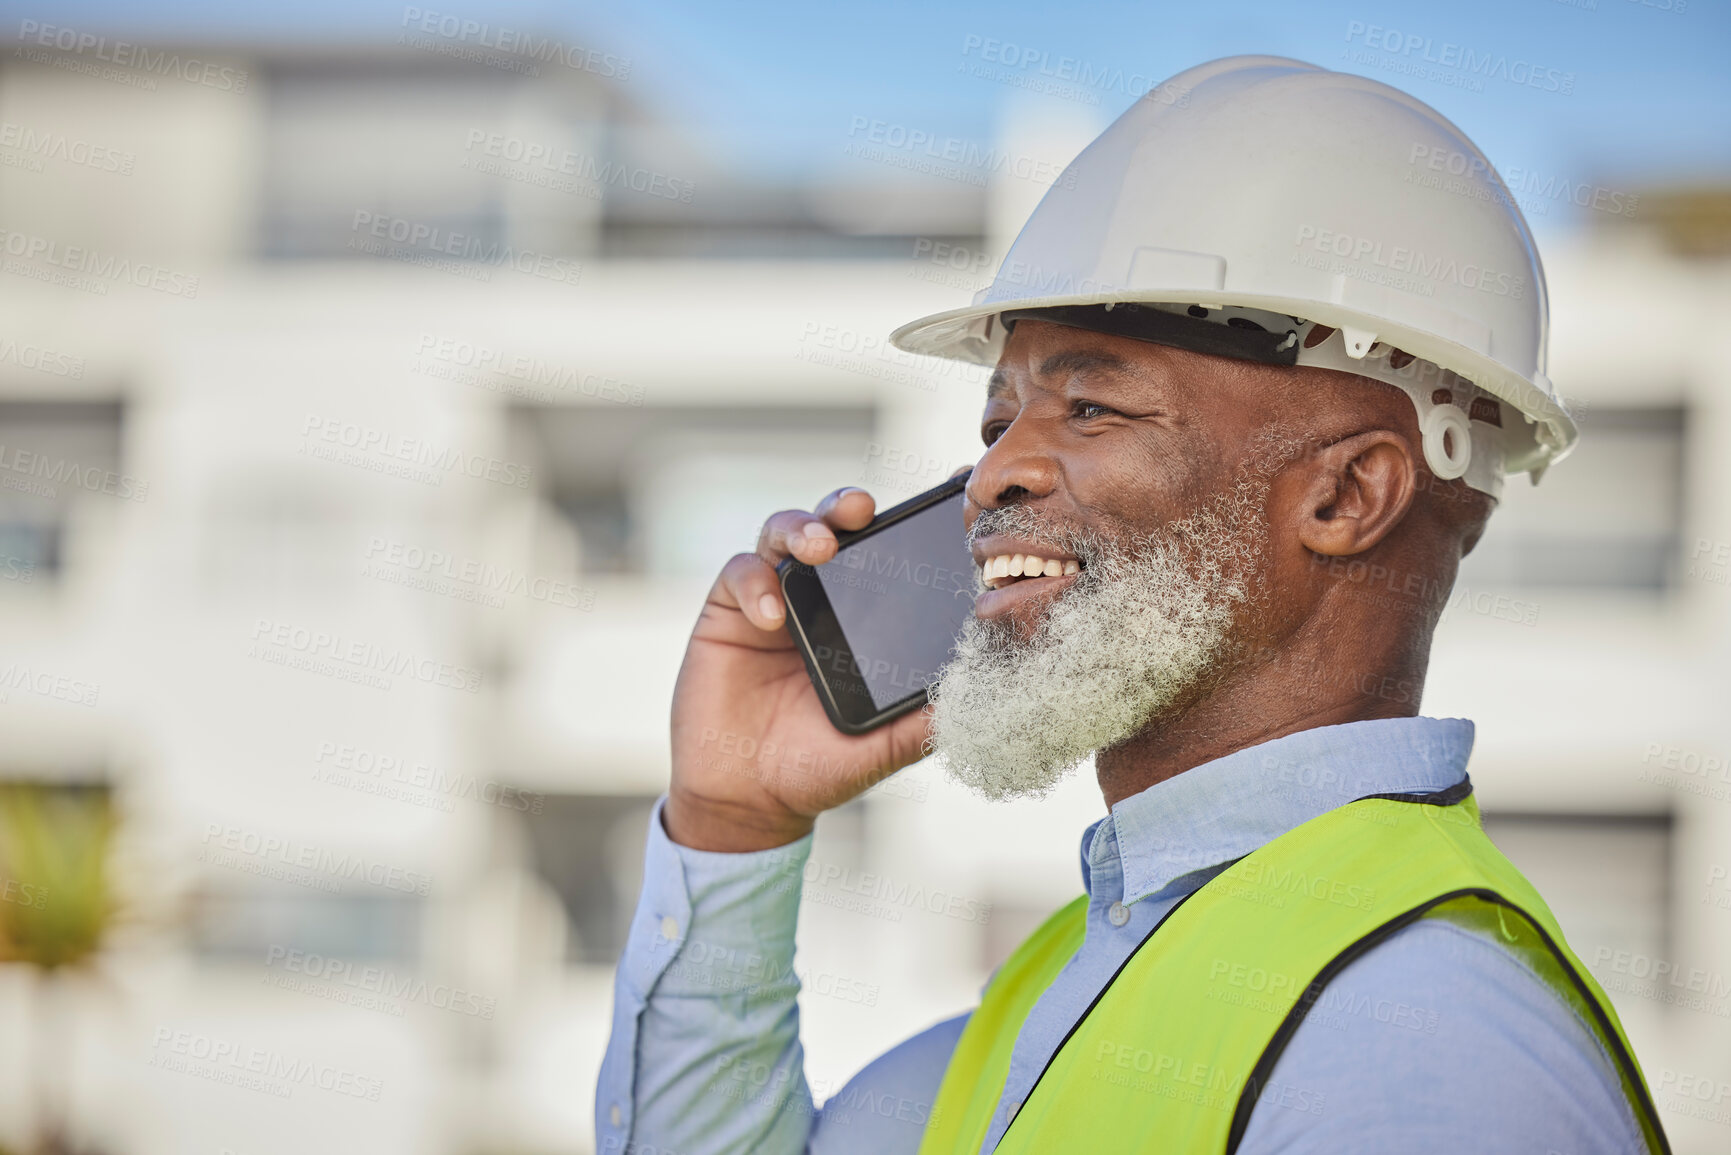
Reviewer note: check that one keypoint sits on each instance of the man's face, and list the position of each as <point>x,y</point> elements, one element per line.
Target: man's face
<point>1137,475</point>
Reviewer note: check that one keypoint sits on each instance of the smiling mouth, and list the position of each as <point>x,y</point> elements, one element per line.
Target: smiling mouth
<point>1009,568</point>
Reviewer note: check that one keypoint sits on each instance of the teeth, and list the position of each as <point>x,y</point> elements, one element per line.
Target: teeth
<point>997,570</point>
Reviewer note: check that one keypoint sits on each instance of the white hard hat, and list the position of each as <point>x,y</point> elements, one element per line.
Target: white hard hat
<point>1266,208</point>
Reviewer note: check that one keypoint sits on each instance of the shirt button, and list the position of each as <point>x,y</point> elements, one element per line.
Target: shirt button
<point>1119,914</point>
<point>613,1115</point>
<point>669,931</point>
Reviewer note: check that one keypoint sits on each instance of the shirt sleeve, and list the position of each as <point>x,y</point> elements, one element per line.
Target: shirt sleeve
<point>705,1052</point>
<point>884,1109</point>
<point>1439,1041</point>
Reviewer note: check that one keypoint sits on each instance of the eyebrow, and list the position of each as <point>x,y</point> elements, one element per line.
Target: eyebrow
<point>1068,361</point>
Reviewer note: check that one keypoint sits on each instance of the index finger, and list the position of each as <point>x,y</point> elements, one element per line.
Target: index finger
<point>849,507</point>
<point>810,537</point>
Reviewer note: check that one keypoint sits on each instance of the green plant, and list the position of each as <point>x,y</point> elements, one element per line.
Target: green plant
<point>56,906</point>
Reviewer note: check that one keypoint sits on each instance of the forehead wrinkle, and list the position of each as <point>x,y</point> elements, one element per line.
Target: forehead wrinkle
<point>1065,361</point>
<point>1081,361</point>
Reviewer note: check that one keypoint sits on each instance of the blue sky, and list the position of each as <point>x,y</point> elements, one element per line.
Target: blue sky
<point>776,85</point>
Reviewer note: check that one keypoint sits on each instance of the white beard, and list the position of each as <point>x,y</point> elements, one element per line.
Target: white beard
<point>1143,623</point>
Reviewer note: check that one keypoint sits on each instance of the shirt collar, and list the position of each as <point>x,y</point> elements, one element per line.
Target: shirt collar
<point>1222,810</point>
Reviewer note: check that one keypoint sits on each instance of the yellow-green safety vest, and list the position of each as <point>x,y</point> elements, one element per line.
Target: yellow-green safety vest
<point>1178,1049</point>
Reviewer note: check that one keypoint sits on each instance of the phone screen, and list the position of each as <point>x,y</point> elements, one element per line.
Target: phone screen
<point>900,597</point>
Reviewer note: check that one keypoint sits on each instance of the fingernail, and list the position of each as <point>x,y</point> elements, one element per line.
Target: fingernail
<point>815,530</point>
<point>769,607</point>
<point>795,541</point>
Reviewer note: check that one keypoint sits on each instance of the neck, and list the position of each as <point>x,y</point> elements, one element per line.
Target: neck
<point>1312,681</point>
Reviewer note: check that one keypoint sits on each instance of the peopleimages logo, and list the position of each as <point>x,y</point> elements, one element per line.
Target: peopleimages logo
<point>411,457</point>
<point>33,33</point>
<point>1428,268</point>
<point>226,845</point>
<point>1665,980</point>
<point>357,767</point>
<point>554,161</point>
<point>87,270</point>
<point>1539,188</point>
<point>892,467</point>
<point>23,894</point>
<point>255,1068</point>
<point>43,360</point>
<point>1070,77</point>
<point>59,687</point>
<point>488,581</point>
<point>894,895</point>
<point>1459,58</point>
<point>1269,886</point>
<point>285,643</point>
<point>466,36</point>
<point>538,378</point>
<point>37,145</point>
<point>45,473</point>
<point>428,244</point>
<point>335,978</point>
<point>921,150</point>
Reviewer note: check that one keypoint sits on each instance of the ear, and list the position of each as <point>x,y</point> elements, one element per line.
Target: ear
<point>1358,490</point>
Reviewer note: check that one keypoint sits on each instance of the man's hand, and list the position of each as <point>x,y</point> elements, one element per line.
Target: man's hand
<point>755,758</point>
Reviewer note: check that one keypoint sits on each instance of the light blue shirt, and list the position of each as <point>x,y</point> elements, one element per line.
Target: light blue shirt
<point>1436,1040</point>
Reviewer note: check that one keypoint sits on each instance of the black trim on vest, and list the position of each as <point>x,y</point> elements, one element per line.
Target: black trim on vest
<point>1174,329</point>
<point>1077,1025</point>
<point>1444,797</point>
<point>1449,796</point>
<point>1260,1074</point>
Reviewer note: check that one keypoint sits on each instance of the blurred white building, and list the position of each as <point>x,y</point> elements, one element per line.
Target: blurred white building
<point>372,422</point>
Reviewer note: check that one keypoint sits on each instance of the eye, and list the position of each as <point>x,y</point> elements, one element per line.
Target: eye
<point>1087,410</point>
<point>993,431</point>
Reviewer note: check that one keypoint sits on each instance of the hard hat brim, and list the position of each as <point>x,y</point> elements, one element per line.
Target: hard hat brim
<point>976,334</point>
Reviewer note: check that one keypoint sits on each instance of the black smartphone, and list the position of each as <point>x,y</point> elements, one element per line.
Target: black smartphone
<point>877,622</point>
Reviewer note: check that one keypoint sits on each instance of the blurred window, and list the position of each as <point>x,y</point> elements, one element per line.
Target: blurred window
<point>1605,876</point>
<point>1608,517</point>
<point>244,924</point>
<point>53,455</point>
<point>279,532</point>
<point>589,848</point>
<point>675,492</point>
<point>378,139</point>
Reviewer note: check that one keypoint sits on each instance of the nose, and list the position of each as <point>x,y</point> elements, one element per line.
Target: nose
<point>1018,467</point>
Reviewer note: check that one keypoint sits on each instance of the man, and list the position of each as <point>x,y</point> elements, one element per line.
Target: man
<point>1260,385</point>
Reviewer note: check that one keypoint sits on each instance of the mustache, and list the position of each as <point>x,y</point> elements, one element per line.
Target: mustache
<point>1093,548</point>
